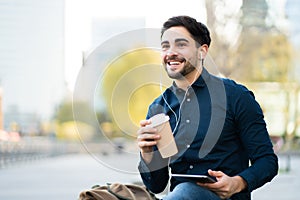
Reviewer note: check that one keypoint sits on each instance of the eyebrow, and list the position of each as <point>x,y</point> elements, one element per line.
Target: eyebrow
<point>164,42</point>
<point>176,40</point>
<point>181,39</point>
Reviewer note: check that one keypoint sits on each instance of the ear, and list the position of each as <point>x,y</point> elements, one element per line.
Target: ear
<point>202,51</point>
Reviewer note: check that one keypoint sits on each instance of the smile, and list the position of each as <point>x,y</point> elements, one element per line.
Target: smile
<point>174,63</point>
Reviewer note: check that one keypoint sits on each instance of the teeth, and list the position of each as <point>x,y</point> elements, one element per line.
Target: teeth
<point>174,63</point>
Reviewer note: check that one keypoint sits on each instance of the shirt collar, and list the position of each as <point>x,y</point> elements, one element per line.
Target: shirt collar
<point>200,82</point>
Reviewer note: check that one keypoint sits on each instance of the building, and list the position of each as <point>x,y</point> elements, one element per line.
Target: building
<point>31,58</point>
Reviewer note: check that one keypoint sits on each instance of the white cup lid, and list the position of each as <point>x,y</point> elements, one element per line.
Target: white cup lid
<point>159,119</point>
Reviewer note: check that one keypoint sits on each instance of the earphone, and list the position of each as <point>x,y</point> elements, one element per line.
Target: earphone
<point>177,118</point>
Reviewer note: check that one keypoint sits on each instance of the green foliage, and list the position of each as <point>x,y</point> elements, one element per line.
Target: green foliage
<point>123,64</point>
<point>129,84</point>
<point>140,100</point>
<point>65,112</point>
<point>263,56</point>
<point>258,52</point>
<point>75,120</point>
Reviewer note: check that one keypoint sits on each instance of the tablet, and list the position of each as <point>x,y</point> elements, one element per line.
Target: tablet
<point>195,178</point>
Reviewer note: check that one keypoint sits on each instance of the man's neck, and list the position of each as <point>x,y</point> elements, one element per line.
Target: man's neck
<point>189,79</point>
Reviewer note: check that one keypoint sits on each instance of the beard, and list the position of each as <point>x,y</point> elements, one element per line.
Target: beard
<point>187,68</point>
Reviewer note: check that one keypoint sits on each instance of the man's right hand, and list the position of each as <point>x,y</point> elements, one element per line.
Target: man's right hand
<point>147,138</point>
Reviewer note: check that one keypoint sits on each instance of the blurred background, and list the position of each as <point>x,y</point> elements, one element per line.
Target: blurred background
<point>71,86</point>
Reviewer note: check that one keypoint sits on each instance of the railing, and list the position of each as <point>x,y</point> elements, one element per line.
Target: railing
<point>33,148</point>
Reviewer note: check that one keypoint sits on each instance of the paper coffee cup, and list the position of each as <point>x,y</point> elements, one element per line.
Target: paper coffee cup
<point>166,145</point>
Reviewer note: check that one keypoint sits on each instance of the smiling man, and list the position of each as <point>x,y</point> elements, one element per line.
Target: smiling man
<point>217,124</point>
<point>182,55</point>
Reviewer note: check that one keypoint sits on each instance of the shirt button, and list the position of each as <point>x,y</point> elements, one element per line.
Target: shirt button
<point>191,166</point>
<point>187,121</point>
<point>188,146</point>
<point>188,99</point>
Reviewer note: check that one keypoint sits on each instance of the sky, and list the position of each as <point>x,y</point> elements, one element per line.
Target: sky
<point>80,14</point>
<point>78,20</point>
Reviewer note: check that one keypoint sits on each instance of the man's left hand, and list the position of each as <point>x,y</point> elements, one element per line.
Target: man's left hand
<point>225,186</point>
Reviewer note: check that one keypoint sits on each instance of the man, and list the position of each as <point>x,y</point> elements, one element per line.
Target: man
<point>217,124</point>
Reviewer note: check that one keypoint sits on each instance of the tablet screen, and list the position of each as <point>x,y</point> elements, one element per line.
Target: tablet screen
<point>195,178</point>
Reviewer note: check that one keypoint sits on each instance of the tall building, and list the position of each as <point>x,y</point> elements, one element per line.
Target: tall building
<point>31,58</point>
<point>292,13</point>
<point>104,44</point>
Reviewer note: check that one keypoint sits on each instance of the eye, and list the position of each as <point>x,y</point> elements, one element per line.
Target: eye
<point>181,44</point>
<point>165,46</point>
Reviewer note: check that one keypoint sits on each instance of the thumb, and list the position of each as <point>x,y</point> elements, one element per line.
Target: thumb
<point>215,173</point>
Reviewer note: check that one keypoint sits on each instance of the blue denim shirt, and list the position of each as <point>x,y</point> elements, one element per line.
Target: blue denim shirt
<point>218,125</point>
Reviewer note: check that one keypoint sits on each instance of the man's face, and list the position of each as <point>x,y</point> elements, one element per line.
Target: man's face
<point>179,52</point>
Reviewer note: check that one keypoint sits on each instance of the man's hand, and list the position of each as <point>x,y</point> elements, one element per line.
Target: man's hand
<point>147,138</point>
<point>225,186</point>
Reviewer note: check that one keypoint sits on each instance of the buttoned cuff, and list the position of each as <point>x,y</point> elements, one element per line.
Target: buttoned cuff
<point>250,180</point>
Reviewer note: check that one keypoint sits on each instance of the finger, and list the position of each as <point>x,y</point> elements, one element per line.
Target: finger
<point>147,140</point>
<point>215,173</point>
<point>143,144</point>
<point>145,122</point>
<point>146,130</point>
<point>148,137</point>
<point>147,143</point>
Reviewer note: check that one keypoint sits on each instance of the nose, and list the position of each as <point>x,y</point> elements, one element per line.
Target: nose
<point>171,52</point>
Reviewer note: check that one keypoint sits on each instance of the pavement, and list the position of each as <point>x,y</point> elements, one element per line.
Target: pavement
<point>285,186</point>
<point>64,177</point>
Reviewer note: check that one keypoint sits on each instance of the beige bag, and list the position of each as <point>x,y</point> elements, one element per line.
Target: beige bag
<point>117,191</point>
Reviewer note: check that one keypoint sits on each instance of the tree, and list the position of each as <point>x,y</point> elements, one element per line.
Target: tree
<point>259,54</point>
<point>129,84</point>
<point>70,125</point>
<point>255,50</point>
<point>65,112</point>
<point>264,52</point>
<point>223,21</point>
